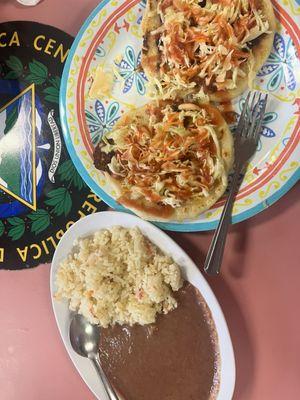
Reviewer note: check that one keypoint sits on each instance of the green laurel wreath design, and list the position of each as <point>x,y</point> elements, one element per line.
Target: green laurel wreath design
<point>58,201</point>
<point>36,73</point>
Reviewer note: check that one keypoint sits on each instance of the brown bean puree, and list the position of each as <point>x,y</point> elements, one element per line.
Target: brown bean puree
<point>174,359</point>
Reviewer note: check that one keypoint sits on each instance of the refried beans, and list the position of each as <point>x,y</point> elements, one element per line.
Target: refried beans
<point>176,358</point>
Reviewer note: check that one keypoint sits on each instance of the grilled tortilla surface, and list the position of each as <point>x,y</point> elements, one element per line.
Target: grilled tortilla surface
<point>203,48</point>
<point>167,160</point>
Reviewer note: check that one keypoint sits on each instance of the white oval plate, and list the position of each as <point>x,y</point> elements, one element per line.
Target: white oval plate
<point>90,224</point>
<point>113,32</point>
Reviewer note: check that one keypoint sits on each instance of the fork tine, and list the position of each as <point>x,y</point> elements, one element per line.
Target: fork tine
<point>253,101</point>
<point>254,117</point>
<point>261,116</point>
<point>240,125</point>
<point>258,116</point>
<point>248,119</point>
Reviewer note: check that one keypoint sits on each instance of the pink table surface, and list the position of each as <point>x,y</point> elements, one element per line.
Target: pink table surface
<point>258,290</point>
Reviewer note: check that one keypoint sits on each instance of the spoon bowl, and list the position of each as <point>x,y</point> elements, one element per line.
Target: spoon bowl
<point>84,338</point>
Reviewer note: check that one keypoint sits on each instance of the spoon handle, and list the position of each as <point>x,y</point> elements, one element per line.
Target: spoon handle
<point>109,389</point>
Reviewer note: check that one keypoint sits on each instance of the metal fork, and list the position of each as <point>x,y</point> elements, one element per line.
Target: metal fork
<point>247,133</point>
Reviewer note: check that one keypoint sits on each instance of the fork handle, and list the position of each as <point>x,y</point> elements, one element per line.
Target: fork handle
<point>214,256</point>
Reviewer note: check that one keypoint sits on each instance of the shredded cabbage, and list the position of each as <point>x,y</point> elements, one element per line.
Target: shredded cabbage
<point>176,158</point>
<point>204,45</point>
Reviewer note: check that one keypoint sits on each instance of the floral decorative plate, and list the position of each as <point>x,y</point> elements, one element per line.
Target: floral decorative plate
<point>111,37</point>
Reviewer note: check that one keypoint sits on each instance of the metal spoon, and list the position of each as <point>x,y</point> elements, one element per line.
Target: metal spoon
<point>84,338</point>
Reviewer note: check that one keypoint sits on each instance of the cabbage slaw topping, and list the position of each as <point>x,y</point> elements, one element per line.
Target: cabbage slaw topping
<point>169,157</point>
<point>205,43</point>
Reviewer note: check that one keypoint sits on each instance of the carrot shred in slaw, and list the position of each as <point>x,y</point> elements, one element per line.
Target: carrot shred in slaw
<point>172,157</point>
<point>206,42</point>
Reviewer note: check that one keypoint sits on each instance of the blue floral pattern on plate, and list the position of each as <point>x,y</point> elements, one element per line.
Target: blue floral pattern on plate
<point>128,70</point>
<point>102,120</point>
<point>280,64</point>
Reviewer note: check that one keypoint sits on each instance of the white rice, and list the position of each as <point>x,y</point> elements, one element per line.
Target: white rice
<point>118,276</point>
